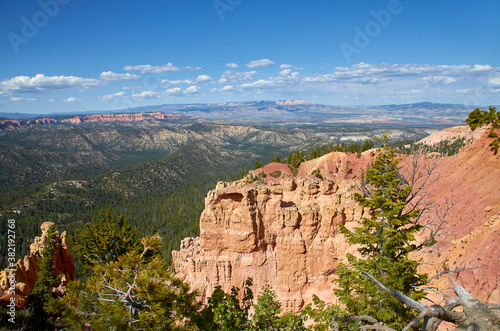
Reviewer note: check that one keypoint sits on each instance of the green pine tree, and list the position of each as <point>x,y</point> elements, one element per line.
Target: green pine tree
<point>42,294</point>
<point>134,292</point>
<point>267,310</point>
<point>104,240</point>
<point>224,310</point>
<point>386,240</point>
<point>478,118</point>
<point>267,314</point>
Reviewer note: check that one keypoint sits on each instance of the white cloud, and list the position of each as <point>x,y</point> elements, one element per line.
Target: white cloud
<point>236,77</point>
<point>438,80</point>
<point>192,68</point>
<point>192,89</point>
<point>285,72</point>
<point>17,99</point>
<point>369,82</point>
<point>72,99</point>
<point>259,63</point>
<point>144,68</point>
<point>43,84</point>
<point>227,88</point>
<point>146,95</point>
<point>494,82</point>
<point>365,73</point>
<point>203,78</point>
<point>149,68</point>
<point>289,66</point>
<point>232,65</point>
<point>113,96</point>
<point>173,91</point>
<point>113,77</point>
<point>166,82</point>
<point>51,100</point>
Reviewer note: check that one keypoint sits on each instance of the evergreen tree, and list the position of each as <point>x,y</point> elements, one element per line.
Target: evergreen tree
<point>133,292</point>
<point>225,312</point>
<point>257,165</point>
<point>478,118</point>
<point>103,240</point>
<point>386,240</point>
<point>276,158</point>
<point>42,294</point>
<point>267,310</point>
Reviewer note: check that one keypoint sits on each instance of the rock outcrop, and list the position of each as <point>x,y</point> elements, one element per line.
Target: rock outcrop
<point>128,117</point>
<point>156,116</point>
<point>26,269</point>
<point>282,228</point>
<point>453,133</point>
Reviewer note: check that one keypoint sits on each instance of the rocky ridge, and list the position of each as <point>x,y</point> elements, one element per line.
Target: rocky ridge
<point>26,269</point>
<point>282,228</point>
<point>11,124</point>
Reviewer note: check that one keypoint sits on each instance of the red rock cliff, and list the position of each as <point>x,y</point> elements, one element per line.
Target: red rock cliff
<point>27,268</point>
<point>284,231</point>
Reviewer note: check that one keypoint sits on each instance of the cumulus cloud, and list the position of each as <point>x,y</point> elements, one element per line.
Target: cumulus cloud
<point>173,91</point>
<point>203,78</point>
<point>72,99</point>
<point>44,84</point>
<point>111,97</point>
<point>114,77</point>
<point>289,66</point>
<point>166,82</point>
<point>438,80</point>
<point>227,88</point>
<point>236,77</point>
<point>285,72</point>
<point>259,63</point>
<point>146,95</point>
<point>369,82</point>
<point>192,89</point>
<point>149,68</point>
<point>365,73</point>
<point>494,82</point>
<point>17,99</point>
<point>232,65</point>
<point>145,68</point>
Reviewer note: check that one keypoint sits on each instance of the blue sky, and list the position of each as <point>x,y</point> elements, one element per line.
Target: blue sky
<point>75,55</point>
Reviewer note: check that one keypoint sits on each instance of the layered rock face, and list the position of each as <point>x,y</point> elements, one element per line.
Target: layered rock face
<point>26,269</point>
<point>283,228</point>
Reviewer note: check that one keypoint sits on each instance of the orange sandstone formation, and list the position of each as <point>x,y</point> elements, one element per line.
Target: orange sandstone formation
<point>282,228</point>
<point>26,269</point>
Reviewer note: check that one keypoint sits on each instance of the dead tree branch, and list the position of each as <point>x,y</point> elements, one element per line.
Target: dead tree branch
<point>476,315</point>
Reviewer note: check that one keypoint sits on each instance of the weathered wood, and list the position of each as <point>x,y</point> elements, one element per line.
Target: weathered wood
<point>476,315</point>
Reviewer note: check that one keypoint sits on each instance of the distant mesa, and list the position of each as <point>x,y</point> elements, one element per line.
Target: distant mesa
<point>120,117</point>
<point>97,118</point>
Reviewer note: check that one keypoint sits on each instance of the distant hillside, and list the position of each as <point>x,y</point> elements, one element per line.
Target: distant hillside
<point>289,112</point>
<point>48,150</point>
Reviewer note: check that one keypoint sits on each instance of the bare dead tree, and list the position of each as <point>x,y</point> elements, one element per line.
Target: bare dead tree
<point>476,315</point>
